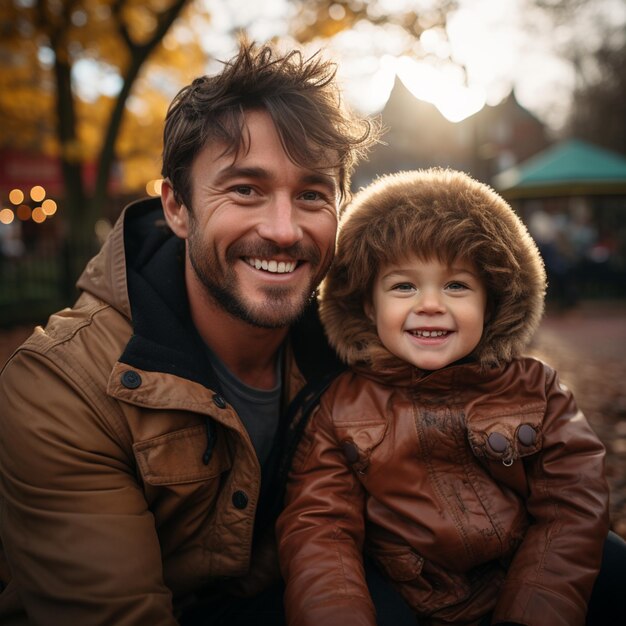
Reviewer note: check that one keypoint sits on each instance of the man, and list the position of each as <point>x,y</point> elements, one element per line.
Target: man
<point>144,432</point>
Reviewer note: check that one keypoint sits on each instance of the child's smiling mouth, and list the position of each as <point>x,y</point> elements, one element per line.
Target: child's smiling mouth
<point>429,333</point>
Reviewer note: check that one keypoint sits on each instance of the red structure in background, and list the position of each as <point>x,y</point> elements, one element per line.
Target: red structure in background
<point>26,180</point>
<point>23,170</point>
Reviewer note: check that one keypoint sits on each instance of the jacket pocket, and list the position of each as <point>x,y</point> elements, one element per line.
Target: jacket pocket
<point>401,565</point>
<point>427,587</point>
<point>359,439</point>
<point>176,458</point>
<point>506,437</point>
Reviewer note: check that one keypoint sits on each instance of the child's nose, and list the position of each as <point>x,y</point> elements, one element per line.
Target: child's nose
<point>430,302</point>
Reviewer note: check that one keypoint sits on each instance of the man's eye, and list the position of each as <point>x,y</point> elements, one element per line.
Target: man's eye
<point>311,196</point>
<point>243,190</point>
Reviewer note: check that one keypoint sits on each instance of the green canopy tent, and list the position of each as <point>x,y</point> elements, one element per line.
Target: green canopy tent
<point>583,187</point>
<point>570,168</point>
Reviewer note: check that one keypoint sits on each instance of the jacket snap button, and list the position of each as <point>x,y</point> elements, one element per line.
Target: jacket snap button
<point>526,434</point>
<point>131,379</point>
<point>219,402</point>
<point>240,500</point>
<point>498,442</point>
<point>350,451</point>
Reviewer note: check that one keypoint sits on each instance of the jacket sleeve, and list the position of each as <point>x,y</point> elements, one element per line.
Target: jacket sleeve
<point>553,571</point>
<point>320,534</point>
<point>79,538</point>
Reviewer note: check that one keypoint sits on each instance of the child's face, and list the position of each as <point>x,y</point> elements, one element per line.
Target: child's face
<point>427,313</point>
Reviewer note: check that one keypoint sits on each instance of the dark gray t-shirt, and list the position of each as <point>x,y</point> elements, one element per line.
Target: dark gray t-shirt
<point>258,409</point>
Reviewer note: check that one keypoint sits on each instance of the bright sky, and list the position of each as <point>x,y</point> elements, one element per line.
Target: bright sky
<point>501,43</point>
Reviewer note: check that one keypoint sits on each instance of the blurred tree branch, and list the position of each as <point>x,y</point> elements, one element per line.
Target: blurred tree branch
<point>43,102</point>
<point>599,103</point>
<point>47,39</point>
<point>594,43</point>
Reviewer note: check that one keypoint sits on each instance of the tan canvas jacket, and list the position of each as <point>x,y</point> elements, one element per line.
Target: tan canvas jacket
<point>126,481</point>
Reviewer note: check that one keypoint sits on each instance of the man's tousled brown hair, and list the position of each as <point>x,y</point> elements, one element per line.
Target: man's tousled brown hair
<point>300,95</point>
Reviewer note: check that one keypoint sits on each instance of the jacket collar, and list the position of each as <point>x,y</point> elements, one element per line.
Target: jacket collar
<point>140,272</point>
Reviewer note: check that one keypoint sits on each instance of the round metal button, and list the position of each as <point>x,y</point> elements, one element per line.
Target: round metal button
<point>219,402</point>
<point>526,434</point>
<point>498,442</point>
<point>350,451</point>
<point>130,379</point>
<point>240,500</point>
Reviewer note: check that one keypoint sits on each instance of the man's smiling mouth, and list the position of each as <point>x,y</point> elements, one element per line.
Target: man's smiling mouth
<point>275,267</point>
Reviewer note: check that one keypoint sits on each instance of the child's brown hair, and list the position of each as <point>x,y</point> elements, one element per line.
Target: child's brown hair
<point>442,214</point>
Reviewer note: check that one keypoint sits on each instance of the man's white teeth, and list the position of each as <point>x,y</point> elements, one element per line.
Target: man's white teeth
<point>430,333</point>
<point>276,267</point>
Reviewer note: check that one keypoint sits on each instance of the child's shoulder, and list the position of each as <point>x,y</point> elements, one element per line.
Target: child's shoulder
<point>529,365</point>
<point>352,391</point>
<point>351,381</point>
<point>523,382</point>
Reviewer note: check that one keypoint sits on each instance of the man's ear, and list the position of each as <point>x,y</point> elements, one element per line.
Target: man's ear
<point>176,213</point>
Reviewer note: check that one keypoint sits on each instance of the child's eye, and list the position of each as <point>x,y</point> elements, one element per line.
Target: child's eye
<point>456,286</point>
<point>403,287</point>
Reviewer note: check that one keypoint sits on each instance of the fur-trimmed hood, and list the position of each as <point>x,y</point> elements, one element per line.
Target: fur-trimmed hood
<point>433,213</point>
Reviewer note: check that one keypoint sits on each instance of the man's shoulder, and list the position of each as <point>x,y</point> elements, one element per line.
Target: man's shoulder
<point>89,336</point>
<point>54,386</point>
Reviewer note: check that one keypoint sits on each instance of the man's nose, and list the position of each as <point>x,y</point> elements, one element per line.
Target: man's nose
<point>280,223</point>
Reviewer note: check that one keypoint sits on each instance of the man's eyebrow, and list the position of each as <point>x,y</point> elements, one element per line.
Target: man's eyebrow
<point>317,178</point>
<point>235,171</point>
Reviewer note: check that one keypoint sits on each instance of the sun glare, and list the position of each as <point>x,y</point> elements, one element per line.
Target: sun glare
<point>369,83</point>
<point>370,91</point>
<point>454,100</point>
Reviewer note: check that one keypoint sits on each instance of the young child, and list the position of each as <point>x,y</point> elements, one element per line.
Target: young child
<point>463,469</point>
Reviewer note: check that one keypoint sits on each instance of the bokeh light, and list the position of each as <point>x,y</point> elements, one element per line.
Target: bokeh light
<point>23,212</point>
<point>16,196</point>
<point>38,216</point>
<point>153,187</point>
<point>37,193</point>
<point>49,207</point>
<point>6,216</point>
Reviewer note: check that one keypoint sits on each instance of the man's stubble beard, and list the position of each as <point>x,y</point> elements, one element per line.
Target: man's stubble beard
<point>281,306</point>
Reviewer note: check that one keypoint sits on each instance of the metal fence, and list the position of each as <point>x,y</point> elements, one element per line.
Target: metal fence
<point>38,282</point>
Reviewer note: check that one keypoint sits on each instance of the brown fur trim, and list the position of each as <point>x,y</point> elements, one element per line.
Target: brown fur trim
<point>433,213</point>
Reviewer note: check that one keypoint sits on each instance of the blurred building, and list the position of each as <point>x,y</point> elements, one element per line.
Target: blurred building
<point>418,135</point>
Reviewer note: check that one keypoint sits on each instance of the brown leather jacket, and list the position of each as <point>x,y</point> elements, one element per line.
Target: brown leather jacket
<point>126,481</point>
<point>472,492</point>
